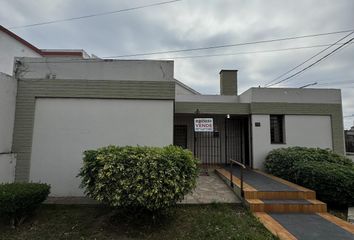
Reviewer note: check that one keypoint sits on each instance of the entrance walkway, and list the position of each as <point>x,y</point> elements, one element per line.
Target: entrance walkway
<point>288,210</point>
<point>211,189</point>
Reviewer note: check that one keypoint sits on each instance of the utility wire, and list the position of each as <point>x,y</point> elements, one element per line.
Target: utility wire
<point>230,45</point>
<point>248,52</point>
<point>309,59</point>
<point>311,65</point>
<point>195,56</point>
<point>95,15</point>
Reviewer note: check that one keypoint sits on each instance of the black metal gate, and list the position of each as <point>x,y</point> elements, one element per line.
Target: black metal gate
<point>208,145</point>
<point>234,140</point>
<point>229,140</point>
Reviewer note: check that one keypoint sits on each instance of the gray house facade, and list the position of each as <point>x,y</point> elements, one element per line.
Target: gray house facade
<point>65,106</point>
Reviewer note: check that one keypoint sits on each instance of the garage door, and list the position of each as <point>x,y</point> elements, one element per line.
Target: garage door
<point>64,128</point>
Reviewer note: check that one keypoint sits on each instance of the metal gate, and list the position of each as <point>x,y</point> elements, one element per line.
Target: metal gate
<point>234,140</point>
<point>207,147</point>
<point>229,139</point>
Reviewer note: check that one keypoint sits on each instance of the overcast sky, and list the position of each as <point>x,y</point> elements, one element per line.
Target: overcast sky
<point>199,23</point>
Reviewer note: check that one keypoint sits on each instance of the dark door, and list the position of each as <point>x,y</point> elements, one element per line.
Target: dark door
<point>236,140</point>
<point>180,136</point>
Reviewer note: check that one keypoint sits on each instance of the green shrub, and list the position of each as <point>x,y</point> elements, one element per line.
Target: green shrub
<point>329,174</point>
<point>149,178</point>
<point>18,200</point>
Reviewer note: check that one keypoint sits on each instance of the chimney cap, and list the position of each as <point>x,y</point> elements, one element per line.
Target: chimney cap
<point>228,70</point>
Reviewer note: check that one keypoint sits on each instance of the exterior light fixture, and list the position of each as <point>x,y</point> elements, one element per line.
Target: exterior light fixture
<point>228,116</point>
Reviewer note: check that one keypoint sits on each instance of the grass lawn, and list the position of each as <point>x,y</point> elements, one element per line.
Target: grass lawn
<point>214,221</point>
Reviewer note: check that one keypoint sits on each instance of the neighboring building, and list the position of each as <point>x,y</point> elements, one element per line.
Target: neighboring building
<point>65,106</point>
<point>349,140</point>
<point>11,46</point>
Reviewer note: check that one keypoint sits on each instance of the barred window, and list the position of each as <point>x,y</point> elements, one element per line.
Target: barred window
<point>277,129</point>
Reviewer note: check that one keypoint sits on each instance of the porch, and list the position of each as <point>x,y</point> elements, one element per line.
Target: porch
<point>229,138</point>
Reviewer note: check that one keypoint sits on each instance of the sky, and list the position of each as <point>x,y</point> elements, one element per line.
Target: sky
<point>201,23</point>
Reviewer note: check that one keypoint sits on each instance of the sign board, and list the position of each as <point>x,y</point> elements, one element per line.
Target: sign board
<point>203,125</point>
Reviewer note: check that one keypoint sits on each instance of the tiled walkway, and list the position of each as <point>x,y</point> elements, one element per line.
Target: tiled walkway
<point>211,189</point>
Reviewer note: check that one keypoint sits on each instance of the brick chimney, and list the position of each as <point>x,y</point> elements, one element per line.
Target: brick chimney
<point>228,82</point>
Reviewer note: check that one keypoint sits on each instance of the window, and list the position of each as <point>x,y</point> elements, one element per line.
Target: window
<point>277,129</point>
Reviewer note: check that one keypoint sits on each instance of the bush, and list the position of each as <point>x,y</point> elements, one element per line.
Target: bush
<point>18,200</point>
<point>329,174</point>
<point>147,178</point>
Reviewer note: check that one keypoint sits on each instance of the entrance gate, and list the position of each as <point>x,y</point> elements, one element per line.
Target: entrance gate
<point>228,140</point>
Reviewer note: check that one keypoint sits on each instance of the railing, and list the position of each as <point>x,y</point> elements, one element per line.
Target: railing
<point>241,178</point>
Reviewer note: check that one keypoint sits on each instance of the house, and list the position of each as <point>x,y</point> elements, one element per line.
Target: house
<point>64,106</point>
<point>11,46</point>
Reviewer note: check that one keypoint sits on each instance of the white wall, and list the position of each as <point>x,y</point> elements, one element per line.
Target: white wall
<point>64,128</point>
<point>292,95</point>
<point>98,69</point>
<point>7,167</point>
<point>9,49</point>
<point>300,130</point>
<point>179,90</point>
<point>8,88</point>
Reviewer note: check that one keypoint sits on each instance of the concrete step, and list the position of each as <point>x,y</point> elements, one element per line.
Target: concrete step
<point>286,205</point>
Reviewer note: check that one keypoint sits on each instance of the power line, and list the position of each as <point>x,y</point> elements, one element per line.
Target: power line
<point>95,15</point>
<point>309,66</point>
<point>249,52</point>
<point>195,56</point>
<point>230,45</point>
<point>309,59</point>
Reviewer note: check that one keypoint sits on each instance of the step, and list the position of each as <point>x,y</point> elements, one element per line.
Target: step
<point>252,193</point>
<point>286,205</point>
<point>310,195</point>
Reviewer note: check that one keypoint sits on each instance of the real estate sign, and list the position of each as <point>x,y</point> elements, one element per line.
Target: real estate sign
<point>203,125</point>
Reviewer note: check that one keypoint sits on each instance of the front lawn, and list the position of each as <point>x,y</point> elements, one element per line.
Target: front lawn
<point>94,222</point>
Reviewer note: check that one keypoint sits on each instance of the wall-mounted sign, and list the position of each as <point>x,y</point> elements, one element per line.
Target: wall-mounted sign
<point>203,125</point>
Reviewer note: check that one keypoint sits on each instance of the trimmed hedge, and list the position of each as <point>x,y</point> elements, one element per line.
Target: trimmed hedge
<point>148,178</point>
<point>329,174</point>
<point>18,200</point>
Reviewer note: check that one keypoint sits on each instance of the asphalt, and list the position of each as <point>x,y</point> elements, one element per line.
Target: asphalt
<point>259,181</point>
<point>311,227</point>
